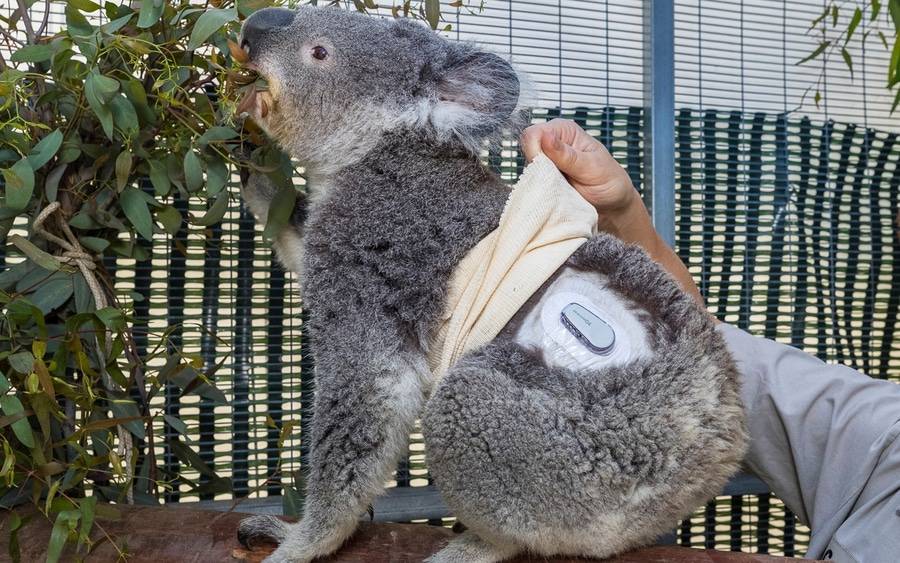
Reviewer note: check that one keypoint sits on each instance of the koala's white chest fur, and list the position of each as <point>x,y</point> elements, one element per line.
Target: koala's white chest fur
<point>545,329</point>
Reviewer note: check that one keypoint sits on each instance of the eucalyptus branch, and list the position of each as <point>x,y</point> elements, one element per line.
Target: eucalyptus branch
<point>26,19</point>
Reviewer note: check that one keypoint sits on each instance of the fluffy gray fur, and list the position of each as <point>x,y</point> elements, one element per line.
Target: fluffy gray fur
<point>532,458</point>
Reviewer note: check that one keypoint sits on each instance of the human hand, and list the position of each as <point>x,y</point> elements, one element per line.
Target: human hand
<point>585,162</point>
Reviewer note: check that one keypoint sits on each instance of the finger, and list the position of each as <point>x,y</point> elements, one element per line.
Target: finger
<point>563,155</point>
<point>531,141</point>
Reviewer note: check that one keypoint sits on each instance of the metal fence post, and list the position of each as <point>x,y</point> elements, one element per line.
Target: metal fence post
<point>659,115</point>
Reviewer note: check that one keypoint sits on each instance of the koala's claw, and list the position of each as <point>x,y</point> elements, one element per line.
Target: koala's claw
<point>261,529</point>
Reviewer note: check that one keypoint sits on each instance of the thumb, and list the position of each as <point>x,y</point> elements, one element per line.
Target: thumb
<point>531,142</point>
<point>563,155</point>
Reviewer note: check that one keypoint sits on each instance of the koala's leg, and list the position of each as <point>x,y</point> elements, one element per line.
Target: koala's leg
<point>594,462</point>
<point>369,392</point>
<point>258,191</point>
<point>469,548</point>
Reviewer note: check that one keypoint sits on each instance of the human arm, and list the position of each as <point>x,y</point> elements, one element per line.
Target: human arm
<point>592,170</point>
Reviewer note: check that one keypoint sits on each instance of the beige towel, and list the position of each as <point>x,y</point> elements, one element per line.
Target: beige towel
<point>544,222</point>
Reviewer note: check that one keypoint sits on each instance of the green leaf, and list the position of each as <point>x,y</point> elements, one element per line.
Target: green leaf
<point>896,102</point>
<point>123,169</point>
<point>112,318</point>
<point>11,406</point>
<point>32,54</point>
<point>84,5</point>
<point>38,256</point>
<point>280,211</point>
<point>818,51</point>
<point>135,208</point>
<point>433,12</point>
<point>22,362</point>
<point>87,506</point>
<point>19,180</point>
<point>854,22</point>
<point>193,171</point>
<point>76,24</point>
<point>848,60</point>
<point>52,294</point>
<point>125,408</point>
<point>116,24</point>
<point>170,219</point>
<point>159,177</point>
<point>177,424</point>
<point>84,299</point>
<point>216,176</point>
<point>46,148</point>
<point>150,12</point>
<point>96,244</point>
<point>894,9</point>
<point>834,15</point>
<point>65,522</point>
<point>51,185</point>
<point>124,116</point>
<point>876,9</point>
<point>216,211</point>
<point>208,23</point>
<point>99,90</point>
<point>136,94</point>
<point>215,134</point>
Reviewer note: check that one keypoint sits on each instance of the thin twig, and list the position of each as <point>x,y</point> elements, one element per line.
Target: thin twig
<point>26,19</point>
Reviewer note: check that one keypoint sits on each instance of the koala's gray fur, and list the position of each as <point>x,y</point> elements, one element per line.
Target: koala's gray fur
<point>528,456</point>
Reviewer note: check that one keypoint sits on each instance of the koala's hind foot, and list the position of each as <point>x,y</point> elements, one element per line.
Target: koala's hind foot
<point>297,543</point>
<point>469,548</point>
<point>261,529</point>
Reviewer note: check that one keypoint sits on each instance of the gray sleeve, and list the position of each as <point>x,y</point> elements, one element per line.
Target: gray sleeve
<point>819,433</point>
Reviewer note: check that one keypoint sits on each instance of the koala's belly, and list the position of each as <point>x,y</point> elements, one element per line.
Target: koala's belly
<point>579,323</point>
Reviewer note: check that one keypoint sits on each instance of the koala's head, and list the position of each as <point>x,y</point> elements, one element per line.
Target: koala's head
<point>339,80</point>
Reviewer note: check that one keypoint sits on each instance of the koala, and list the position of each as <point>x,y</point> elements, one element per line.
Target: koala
<point>388,119</point>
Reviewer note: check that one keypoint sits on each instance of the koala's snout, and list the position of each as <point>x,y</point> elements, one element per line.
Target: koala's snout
<point>262,22</point>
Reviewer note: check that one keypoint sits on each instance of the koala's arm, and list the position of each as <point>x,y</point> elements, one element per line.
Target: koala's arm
<point>369,391</point>
<point>258,191</point>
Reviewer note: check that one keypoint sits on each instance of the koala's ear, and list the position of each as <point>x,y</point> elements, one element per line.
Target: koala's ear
<point>476,93</point>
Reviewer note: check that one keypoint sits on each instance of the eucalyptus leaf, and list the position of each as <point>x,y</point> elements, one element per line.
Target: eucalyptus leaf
<point>116,24</point>
<point>135,208</point>
<point>51,184</point>
<point>159,177</point>
<point>170,219</point>
<point>11,406</point>
<point>124,116</point>
<point>84,299</point>
<point>193,171</point>
<point>150,12</point>
<point>32,54</point>
<point>19,180</point>
<point>22,362</point>
<point>208,23</point>
<point>215,134</point>
<point>216,211</point>
<point>280,211</point>
<point>123,169</point>
<point>36,255</point>
<point>52,294</point>
<point>216,176</point>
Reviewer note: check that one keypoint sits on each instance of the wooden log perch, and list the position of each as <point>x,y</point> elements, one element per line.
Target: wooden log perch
<point>177,533</point>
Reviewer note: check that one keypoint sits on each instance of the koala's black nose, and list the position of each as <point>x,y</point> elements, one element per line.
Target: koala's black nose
<point>263,21</point>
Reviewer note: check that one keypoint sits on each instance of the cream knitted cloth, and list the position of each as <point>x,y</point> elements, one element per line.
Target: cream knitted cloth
<point>545,220</point>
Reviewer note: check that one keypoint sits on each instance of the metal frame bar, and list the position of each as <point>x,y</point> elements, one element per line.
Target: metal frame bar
<point>659,115</point>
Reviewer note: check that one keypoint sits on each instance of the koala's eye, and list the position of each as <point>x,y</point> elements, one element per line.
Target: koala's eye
<point>320,53</point>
